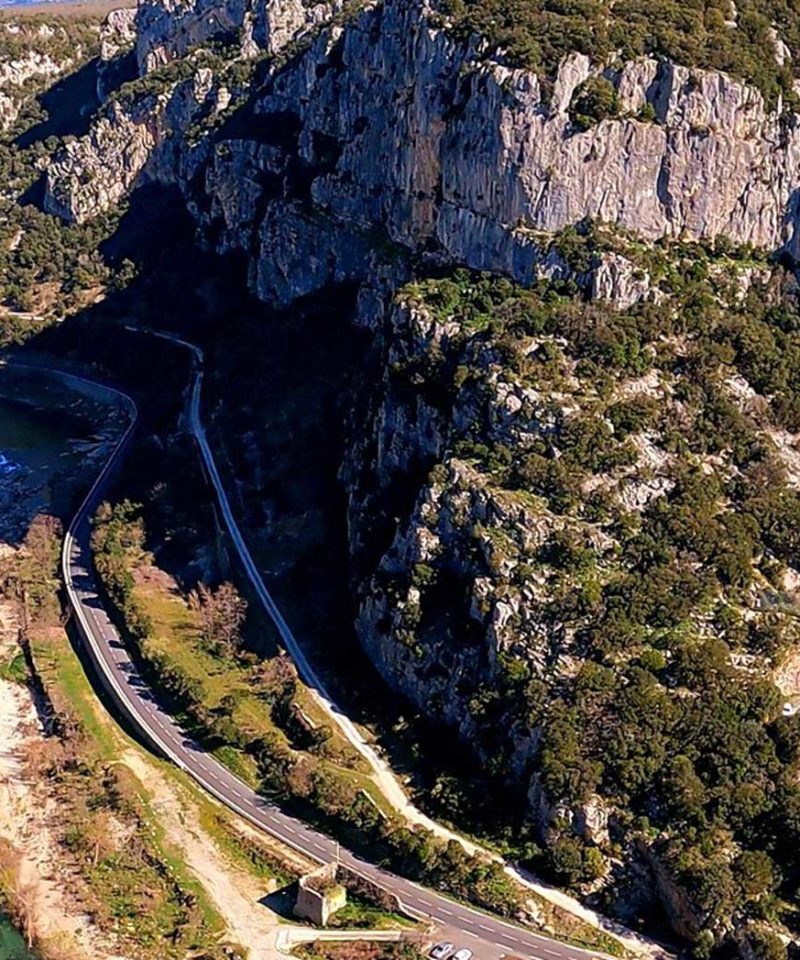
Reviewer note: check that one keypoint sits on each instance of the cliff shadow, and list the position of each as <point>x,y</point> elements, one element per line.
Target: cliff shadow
<point>162,281</point>
<point>69,105</point>
<point>34,195</point>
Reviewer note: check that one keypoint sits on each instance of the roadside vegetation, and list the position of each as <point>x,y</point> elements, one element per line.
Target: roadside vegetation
<point>321,950</point>
<point>125,876</point>
<point>251,711</point>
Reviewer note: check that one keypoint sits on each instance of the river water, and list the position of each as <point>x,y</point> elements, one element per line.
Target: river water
<point>44,449</point>
<point>12,946</point>
<point>27,437</point>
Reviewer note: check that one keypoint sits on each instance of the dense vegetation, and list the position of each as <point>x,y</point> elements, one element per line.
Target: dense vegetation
<point>253,711</point>
<point>47,268</point>
<point>650,575</point>
<point>73,38</point>
<point>538,33</point>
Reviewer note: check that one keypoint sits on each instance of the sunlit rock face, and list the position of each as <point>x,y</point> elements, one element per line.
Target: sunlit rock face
<point>168,29</point>
<point>388,124</point>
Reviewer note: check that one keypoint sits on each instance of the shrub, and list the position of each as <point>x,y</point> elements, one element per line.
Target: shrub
<point>594,100</point>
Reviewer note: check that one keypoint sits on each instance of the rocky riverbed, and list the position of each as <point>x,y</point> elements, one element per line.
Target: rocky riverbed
<point>48,436</point>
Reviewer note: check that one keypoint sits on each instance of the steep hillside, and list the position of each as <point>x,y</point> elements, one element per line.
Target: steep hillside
<point>53,71</point>
<point>570,234</point>
<point>596,581</point>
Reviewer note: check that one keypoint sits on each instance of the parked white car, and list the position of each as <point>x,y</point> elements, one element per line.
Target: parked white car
<point>442,951</point>
<point>462,954</point>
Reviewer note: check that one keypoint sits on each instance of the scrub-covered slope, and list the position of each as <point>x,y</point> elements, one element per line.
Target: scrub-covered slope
<point>572,506</point>
<point>597,581</point>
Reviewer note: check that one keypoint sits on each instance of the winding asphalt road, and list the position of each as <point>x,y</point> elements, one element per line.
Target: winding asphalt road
<point>486,935</point>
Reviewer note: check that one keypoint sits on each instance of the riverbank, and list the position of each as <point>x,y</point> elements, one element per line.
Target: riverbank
<point>55,438</point>
<point>77,796</point>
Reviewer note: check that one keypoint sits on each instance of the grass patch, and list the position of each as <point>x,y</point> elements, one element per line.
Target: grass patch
<point>240,764</point>
<point>358,914</point>
<point>239,701</point>
<point>68,688</point>
<point>14,669</point>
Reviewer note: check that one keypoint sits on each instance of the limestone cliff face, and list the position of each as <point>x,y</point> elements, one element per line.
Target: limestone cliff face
<point>138,135</point>
<point>434,648</point>
<point>446,153</point>
<point>130,135</point>
<point>459,580</point>
<point>389,127</point>
<point>168,29</point>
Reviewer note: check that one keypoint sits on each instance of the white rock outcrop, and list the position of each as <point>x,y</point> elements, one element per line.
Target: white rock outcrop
<point>129,136</point>
<point>388,128</point>
<point>16,74</point>
<point>118,32</point>
<point>168,29</point>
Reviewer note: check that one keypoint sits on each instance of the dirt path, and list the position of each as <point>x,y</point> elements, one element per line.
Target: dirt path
<point>234,892</point>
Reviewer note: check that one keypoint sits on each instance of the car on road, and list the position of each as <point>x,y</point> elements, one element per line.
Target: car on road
<point>442,951</point>
<point>462,954</point>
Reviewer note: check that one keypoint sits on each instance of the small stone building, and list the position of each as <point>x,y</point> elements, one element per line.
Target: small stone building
<point>320,895</point>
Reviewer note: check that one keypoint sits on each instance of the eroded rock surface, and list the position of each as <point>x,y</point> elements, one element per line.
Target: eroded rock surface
<point>387,126</point>
<point>168,30</point>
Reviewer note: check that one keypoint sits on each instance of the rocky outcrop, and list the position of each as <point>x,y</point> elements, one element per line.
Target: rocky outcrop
<point>389,128</point>
<point>116,63</point>
<point>118,33</point>
<point>129,143</point>
<point>16,74</point>
<point>81,181</point>
<point>35,64</point>
<point>168,30</point>
<point>430,647</point>
<point>616,279</point>
<point>401,130</point>
<point>35,54</point>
